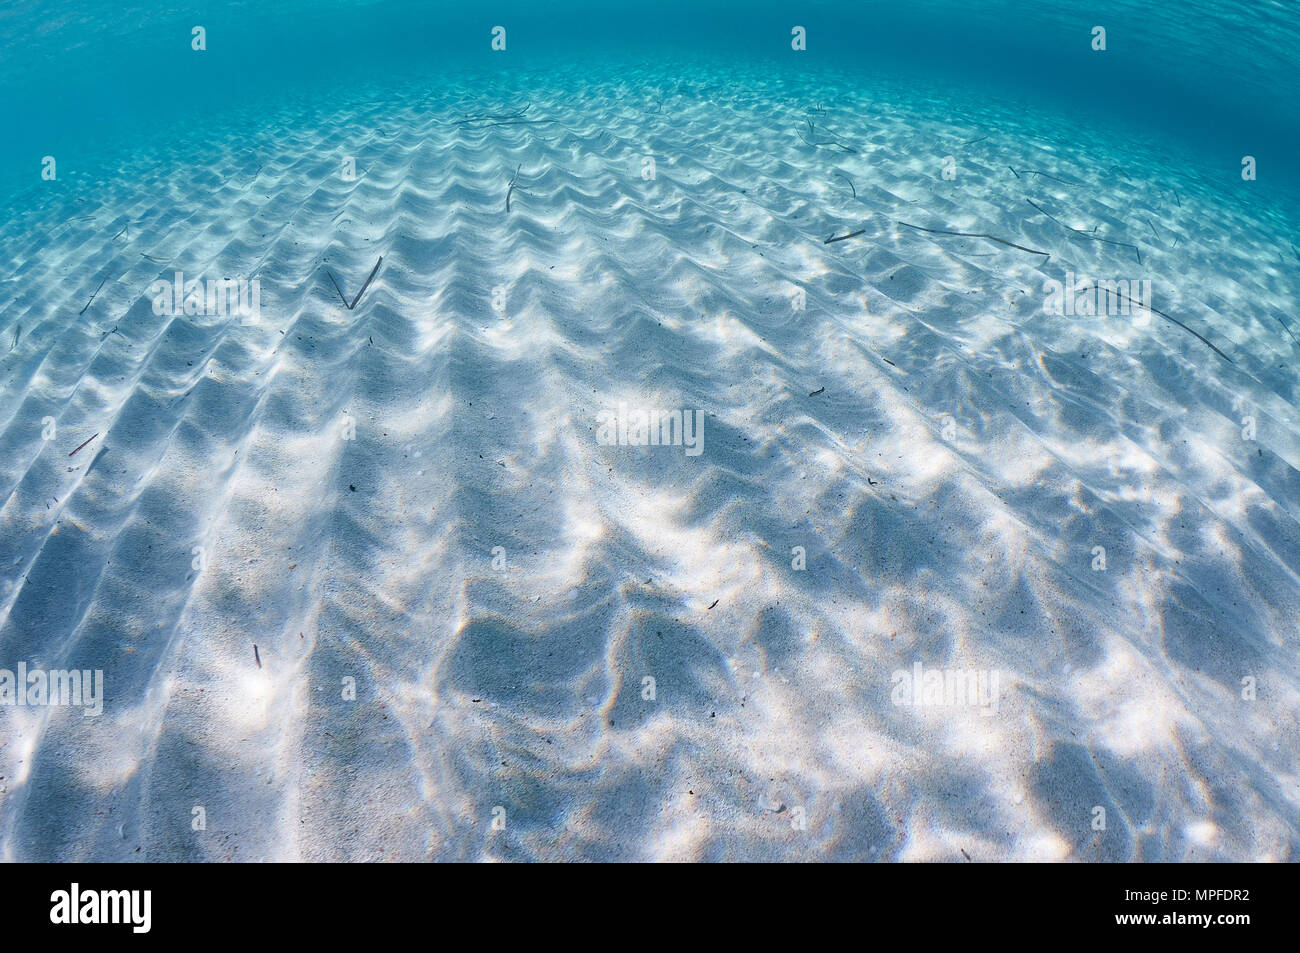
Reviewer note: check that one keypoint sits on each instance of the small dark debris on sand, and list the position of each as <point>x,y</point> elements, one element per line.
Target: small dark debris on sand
<point>92,297</point>
<point>1095,238</point>
<point>992,238</point>
<point>79,449</point>
<point>511,189</point>
<point>819,390</point>
<point>516,118</point>
<point>1045,175</point>
<point>352,306</point>
<point>832,141</point>
<point>1173,320</point>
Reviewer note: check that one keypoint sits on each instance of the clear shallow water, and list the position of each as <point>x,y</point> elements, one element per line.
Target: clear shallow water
<point>372,558</point>
<point>1221,79</point>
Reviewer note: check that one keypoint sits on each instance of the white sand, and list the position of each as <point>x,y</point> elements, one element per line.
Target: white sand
<point>476,688</point>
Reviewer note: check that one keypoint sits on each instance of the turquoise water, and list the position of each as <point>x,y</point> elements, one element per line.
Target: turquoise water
<point>909,457</point>
<point>1219,79</point>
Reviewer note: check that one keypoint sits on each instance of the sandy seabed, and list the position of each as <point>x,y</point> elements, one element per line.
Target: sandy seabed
<point>896,412</point>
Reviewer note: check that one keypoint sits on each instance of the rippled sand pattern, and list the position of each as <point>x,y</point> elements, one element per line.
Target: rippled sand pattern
<point>948,487</point>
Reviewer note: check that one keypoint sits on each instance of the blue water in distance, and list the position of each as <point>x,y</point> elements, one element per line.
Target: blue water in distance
<point>1217,78</point>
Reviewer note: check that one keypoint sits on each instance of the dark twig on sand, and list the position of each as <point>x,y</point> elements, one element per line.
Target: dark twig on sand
<point>1079,231</point>
<point>78,450</point>
<point>1287,328</point>
<point>257,656</point>
<point>373,272</point>
<point>511,189</point>
<point>848,180</point>
<point>992,238</point>
<point>495,117</point>
<point>92,297</point>
<point>832,141</point>
<point>839,238</point>
<point>1048,214</point>
<point>485,120</point>
<point>343,298</point>
<point>17,333</point>
<point>513,122</point>
<point>1153,229</point>
<point>819,390</point>
<point>1014,172</point>
<point>971,142</point>
<point>1198,337</point>
<point>1044,175</point>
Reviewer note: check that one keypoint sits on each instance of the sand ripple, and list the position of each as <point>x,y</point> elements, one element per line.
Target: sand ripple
<point>348,474</point>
